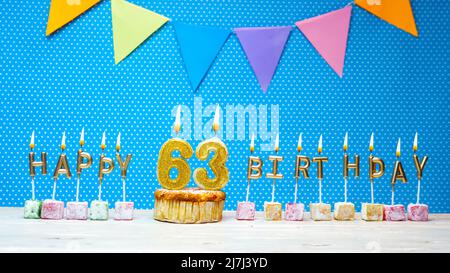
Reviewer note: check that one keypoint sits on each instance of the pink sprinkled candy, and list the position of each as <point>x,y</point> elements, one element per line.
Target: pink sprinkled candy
<point>245,211</point>
<point>52,210</point>
<point>294,211</point>
<point>418,212</point>
<point>77,211</point>
<point>394,213</point>
<point>124,211</point>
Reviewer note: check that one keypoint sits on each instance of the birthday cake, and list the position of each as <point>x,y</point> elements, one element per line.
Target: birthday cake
<point>189,206</point>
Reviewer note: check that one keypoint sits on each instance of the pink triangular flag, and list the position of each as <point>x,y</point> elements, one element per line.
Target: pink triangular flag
<point>328,34</point>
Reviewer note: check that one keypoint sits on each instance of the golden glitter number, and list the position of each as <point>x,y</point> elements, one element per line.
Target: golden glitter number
<point>217,165</point>
<point>166,162</point>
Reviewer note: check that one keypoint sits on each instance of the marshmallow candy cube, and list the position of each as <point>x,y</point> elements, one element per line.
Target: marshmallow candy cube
<point>123,211</point>
<point>294,211</point>
<point>372,212</point>
<point>344,211</point>
<point>52,210</point>
<point>272,211</point>
<point>77,211</point>
<point>418,212</point>
<point>99,210</point>
<point>32,209</point>
<point>394,213</point>
<point>320,211</point>
<point>245,211</point>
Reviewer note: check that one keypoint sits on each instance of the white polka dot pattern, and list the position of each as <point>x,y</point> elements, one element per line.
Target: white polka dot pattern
<point>393,84</point>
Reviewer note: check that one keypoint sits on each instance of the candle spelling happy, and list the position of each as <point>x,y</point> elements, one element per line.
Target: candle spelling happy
<point>123,210</point>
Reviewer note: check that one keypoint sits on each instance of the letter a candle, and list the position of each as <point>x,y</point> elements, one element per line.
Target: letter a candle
<point>52,208</point>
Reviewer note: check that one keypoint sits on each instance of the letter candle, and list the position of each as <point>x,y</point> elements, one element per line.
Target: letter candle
<point>33,207</point>
<point>320,211</point>
<point>246,210</point>
<point>396,212</point>
<point>344,210</point>
<point>100,209</point>
<point>418,211</point>
<point>272,210</point>
<point>53,209</point>
<point>79,210</point>
<point>124,209</point>
<point>294,211</point>
<point>372,211</point>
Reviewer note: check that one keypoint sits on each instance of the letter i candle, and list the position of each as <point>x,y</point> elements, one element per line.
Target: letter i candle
<point>272,210</point>
<point>32,208</point>
<point>52,208</point>
<point>100,209</point>
<point>396,212</point>
<point>346,210</point>
<point>418,211</point>
<point>123,209</point>
<point>294,211</point>
<point>77,210</point>
<point>320,211</point>
<point>246,210</point>
<point>371,211</point>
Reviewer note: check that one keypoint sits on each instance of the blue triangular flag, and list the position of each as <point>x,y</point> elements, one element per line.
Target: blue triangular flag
<point>199,47</point>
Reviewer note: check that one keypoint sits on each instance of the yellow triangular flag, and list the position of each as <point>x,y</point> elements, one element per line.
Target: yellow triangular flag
<point>64,11</point>
<point>396,12</point>
<point>132,25</point>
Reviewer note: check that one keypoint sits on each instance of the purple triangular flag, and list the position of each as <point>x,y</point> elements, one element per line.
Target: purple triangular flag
<point>263,47</point>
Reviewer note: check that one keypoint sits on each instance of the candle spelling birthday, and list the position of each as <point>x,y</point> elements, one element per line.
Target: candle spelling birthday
<point>272,210</point>
<point>294,211</point>
<point>246,210</point>
<point>320,211</point>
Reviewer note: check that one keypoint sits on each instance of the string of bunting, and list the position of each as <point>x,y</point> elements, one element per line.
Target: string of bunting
<point>263,46</point>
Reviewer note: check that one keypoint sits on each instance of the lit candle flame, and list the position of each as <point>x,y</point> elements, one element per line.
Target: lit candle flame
<point>177,124</point>
<point>319,148</point>
<point>371,143</point>
<point>82,137</point>
<point>299,144</point>
<point>252,143</point>
<point>118,142</point>
<point>277,143</point>
<point>346,142</point>
<point>63,141</point>
<point>415,146</point>
<point>397,153</point>
<point>32,141</point>
<point>103,145</point>
<point>216,119</point>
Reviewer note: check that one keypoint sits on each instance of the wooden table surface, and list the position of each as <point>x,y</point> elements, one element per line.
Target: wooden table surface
<point>147,235</point>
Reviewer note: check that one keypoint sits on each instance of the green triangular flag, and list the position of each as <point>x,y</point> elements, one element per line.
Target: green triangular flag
<point>132,25</point>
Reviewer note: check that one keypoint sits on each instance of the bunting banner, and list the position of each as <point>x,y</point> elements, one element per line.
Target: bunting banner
<point>263,47</point>
<point>396,12</point>
<point>63,11</point>
<point>132,25</point>
<point>199,47</point>
<point>328,34</point>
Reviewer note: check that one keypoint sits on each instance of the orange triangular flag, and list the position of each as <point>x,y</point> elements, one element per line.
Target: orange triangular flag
<point>64,11</point>
<point>396,12</point>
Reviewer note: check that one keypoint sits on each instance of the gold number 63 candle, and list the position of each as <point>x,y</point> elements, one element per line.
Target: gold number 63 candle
<point>191,205</point>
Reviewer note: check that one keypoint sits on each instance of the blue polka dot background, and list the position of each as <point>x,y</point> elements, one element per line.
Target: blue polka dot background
<point>394,85</point>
